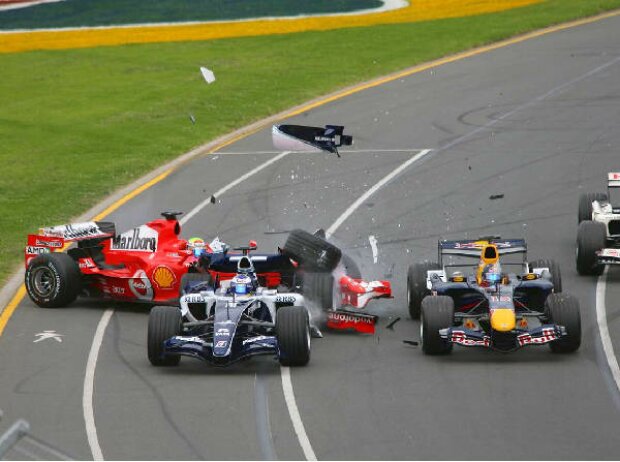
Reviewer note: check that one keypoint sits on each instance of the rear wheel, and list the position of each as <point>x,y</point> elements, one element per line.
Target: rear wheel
<point>416,286</point>
<point>437,314</point>
<point>554,269</point>
<point>585,204</point>
<point>293,334</point>
<point>312,252</point>
<point>591,237</point>
<point>53,280</point>
<point>563,310</point>
<point>164,323</point>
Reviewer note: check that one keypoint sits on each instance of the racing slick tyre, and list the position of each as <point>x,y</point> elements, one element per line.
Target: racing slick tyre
<point>293,334</point>
<point>312,252</point>
<point>319,289</point>
<point>53,280</point>
<point>437,314</point>
<point>563,310</point>
<point>585,204</point>
<point>416,286</point>
<point>554,269</point>
<point>591,237</point>
<point>164,322</point>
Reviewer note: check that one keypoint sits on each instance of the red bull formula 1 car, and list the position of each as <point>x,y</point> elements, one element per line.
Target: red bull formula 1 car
<point>152,264</point>
<point>492,308</point>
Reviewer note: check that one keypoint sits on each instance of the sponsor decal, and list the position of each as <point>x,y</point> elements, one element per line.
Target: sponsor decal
<point>258,338</point>
<point>194,299</point>
<point>547,335</point>
<point>344,317</point>
<point>140,286</point>
<point>610,253</point>
<point>141,239</point>
<point>74,231</point>
<point>118,290</point>
<point>285,299</point>
<point>36,250</point>
<point>220,344</point>
<point>223,332</point>
<point>86,263</point>
<point>164,277</point>
<point>461,338</point>
<point>46,243</point>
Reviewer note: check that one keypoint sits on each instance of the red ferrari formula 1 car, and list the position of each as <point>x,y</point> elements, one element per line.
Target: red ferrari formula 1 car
<point>152,264</point>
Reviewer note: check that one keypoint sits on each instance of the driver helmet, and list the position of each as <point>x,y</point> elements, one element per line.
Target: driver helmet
<point>197,245</point>
<point>242,284</point>
<point>492,274</point>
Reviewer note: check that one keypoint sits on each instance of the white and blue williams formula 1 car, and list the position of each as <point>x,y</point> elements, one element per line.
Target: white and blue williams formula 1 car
<point>598,235</point>
<point>239,319</point>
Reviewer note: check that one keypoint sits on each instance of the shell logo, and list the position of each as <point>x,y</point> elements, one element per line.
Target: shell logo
<point>164,277</point>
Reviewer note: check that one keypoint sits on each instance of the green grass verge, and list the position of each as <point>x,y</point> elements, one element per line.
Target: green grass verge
<point>75,125</point>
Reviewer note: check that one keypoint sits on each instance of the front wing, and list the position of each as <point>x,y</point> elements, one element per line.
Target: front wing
<point>472,338</point>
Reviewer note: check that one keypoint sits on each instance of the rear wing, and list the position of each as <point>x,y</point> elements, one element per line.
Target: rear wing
<point>54,238</point>
<point>472,247</point>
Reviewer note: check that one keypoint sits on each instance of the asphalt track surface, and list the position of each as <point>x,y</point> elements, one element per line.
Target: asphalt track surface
<point>535,121</point>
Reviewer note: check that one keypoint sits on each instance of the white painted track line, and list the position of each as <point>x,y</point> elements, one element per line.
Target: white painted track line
<point>293,411</point>
<point>601,319</point>
<point>355,205</point>
<point>228,187</point>
<point>89,386</point>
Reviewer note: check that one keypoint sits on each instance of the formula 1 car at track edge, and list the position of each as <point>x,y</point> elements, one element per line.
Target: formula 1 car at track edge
<point>598,235</point>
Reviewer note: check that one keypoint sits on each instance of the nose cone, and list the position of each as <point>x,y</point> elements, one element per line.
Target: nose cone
<point>503,319</point>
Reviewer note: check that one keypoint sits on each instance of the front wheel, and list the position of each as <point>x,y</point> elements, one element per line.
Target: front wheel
<point>53,280</point>
<point>164,323</point>
<point>416,286</point>
<point>437,314</point>
<point>293,334</point>
<point>554,269</point>
<point>563,310</point>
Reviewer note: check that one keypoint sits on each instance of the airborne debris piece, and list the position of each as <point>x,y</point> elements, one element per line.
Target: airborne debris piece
<point>193,119</point>
<point>212,199</point>
<point>391,324</point>
<point>207,74</point>
<point>310,139</point>
<point>496,196</point>
<point>411,342</point>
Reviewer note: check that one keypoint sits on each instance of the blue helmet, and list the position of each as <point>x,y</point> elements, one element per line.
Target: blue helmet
<point>492,274</point>
<point>242,284</point>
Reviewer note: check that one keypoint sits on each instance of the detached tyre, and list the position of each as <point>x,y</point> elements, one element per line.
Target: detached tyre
<point>164,322</point>
<point>437,314</point>
<point>416,286</point>
<point>585,204</point>
<point>312,252</point>
<point>53,280</point>
<point>293,334</point>
<point>591,237</point>
<point>563,310</point>
<point>554,269</point>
